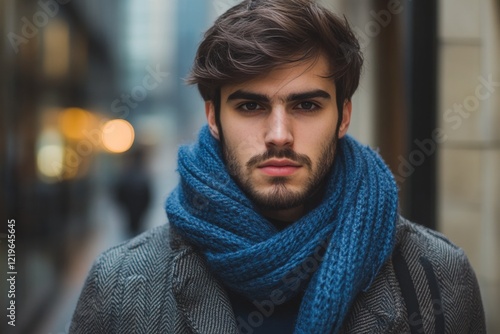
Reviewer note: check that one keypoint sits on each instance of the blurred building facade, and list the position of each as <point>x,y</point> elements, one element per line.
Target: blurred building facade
<point>469,158</point>
<point>71,66</point>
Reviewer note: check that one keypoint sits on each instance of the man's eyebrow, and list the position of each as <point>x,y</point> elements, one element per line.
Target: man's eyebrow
<point>308,95</point>
<point>245,95</point>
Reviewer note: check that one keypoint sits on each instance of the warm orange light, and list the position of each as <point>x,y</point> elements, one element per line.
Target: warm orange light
<point>73,121</point>
<point>117,135</point>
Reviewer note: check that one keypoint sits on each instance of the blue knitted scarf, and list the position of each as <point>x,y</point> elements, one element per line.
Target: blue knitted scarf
<point>329,255</point>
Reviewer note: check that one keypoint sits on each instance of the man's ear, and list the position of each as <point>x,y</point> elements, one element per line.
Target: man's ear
<point>346,119</point>
<point>212,124</point>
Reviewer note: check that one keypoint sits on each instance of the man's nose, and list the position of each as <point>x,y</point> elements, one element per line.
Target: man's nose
<point>279,130</point>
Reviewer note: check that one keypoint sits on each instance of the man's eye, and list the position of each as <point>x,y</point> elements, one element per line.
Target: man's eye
<point>250,106</point>
<point>307,106</point>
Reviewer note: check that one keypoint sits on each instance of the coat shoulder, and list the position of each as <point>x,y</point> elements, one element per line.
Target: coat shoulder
<point>441,270</point>
<point>128,288</point>
<point>433,255</point>
<point>137,253</point>
<point>428,241</point>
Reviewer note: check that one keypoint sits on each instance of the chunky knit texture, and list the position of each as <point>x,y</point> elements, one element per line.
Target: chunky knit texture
<point>351,232</point>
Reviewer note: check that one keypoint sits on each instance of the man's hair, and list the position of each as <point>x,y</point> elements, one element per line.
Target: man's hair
<point>255,36</point>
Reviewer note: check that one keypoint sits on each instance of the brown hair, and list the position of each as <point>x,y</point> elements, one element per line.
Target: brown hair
<point>256,36</point>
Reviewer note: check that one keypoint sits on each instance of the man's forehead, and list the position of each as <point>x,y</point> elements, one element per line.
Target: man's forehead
<point>283,81</point>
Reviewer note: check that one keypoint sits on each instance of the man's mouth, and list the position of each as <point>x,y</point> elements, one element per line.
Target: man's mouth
<point>279,167</point>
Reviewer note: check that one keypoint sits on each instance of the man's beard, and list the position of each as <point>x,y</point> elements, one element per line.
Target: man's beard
<point>280,197</point>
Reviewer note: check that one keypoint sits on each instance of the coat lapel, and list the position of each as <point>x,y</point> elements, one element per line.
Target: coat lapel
<point>200,297</point>
<point>380,309</point>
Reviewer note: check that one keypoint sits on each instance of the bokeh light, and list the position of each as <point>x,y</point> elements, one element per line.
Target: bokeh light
<point>73,121</point>
<point>117,135</point>
<point>50,156</point>
<point>49,160</point>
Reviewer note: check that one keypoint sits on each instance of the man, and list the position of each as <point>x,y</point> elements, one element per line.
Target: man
<point>281,223</point>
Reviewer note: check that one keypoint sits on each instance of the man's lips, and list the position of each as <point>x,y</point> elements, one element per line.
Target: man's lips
<point>279,167</point>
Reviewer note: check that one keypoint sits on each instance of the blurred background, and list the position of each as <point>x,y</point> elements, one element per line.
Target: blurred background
<point>93,107</point>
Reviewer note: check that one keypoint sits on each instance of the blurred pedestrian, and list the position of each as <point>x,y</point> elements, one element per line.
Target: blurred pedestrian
<point>133,190</point>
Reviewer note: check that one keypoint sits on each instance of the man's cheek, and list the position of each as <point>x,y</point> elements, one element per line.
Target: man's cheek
<point>248,147</point>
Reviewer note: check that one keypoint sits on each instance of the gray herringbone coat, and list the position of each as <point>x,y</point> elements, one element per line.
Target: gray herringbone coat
<point>156,283</point>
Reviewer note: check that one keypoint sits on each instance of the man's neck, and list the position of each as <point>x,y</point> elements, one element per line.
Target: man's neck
<point>283,218</point>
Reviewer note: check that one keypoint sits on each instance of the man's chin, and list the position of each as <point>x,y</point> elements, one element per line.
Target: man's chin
<point>277,199</point>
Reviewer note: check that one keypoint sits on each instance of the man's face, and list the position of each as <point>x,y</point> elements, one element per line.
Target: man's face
<point>279,134</point>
